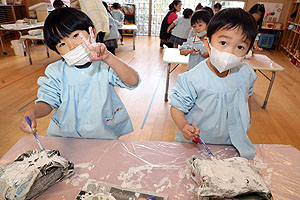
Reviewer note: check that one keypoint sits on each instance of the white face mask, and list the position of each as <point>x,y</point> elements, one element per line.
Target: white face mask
<point>78,56</point>
<point>223,60</point>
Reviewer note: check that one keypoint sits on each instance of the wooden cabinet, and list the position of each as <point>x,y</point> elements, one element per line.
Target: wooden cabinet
<point>11,13</point>
<point>290,44</point>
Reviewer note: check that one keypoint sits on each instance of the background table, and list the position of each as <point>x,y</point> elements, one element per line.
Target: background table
<point>30,37</point>
<point>279,163</point>
<point>132,28</point>
<point>19,29</point>
<point>257,62</point>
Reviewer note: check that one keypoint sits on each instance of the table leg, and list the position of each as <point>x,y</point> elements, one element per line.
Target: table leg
<point>29,56</point>
<point>23,45</point>
<point>167,82</point>
<point>269,90</point>
<point>47,52</point>
<point>3,50</point>
<point>133,39</point>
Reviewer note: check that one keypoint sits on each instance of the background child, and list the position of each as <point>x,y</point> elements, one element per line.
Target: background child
<point>118,15</point>
<point>171,16</point>
<point>80,88</point>
<point>58,4</point>
<point>258,12</point>
<point>110,39</point>
<point>182,28</point>
<point>194,44</point>
<point>215,95</point>
<point>217,7</point>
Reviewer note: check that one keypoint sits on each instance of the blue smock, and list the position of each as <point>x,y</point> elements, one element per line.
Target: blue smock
<point>218,106</point>
<point>192,42</point>
<point>85,102</point>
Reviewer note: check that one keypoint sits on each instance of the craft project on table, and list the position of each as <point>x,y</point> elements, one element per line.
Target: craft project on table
<point>159,167</point>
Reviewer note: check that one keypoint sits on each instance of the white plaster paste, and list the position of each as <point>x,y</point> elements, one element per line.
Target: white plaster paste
<point>127,177</point>
<point>77,178</point>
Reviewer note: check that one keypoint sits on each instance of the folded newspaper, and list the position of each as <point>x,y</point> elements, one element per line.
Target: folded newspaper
<point>98,190</point>
<point>229,178</point>
<point>32,173</point>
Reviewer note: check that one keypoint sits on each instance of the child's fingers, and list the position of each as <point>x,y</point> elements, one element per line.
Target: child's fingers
<point>92,35</point>
<point>84,39</point>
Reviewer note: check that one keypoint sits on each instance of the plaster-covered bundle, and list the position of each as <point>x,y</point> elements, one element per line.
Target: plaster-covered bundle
<point>32,173</point>
<point>227,178</point>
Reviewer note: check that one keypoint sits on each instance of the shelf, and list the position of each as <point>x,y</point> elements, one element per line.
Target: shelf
<point>286,49</point>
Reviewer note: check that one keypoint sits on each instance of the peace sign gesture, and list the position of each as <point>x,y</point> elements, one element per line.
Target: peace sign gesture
<point>98,50</point>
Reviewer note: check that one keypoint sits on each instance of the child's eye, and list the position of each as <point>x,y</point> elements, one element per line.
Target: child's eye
<point>241,47</point>
<point>61,44</point>
<point>223,43</point>
<point>75,35</point>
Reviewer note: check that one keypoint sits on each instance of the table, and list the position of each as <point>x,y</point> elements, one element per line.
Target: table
<point>279,163</point>
<point>172,56</point>
<point>19,29</point>
<point>262,63</point>
<point>31,37</point>
<point>132,28</point>
<point>258,62</point>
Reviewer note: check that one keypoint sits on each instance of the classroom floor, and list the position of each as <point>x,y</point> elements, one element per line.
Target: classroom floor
<point>279,123</point>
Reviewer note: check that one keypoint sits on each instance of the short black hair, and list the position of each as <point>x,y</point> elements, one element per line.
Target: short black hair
<point>218,5</point>
<point>208,9</point>
<point>187,12</point>
<point>199,6</point>
<point>200,15</point>
<point>62,22</point>
<point>259,9</point>
<point>116,5</point>
<point>58,4</point>
<point>231,18</point>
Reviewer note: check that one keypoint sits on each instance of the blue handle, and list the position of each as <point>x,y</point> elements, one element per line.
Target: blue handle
<point>35,135</point>
<point>28,121</point>
<point>204,144</point>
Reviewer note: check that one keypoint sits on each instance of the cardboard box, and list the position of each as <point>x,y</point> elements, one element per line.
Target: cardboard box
<point>41,15</point>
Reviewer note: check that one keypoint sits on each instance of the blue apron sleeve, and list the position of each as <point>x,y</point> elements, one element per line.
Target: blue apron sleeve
<point>184,94</point>
<point>116,81</point>
<point>50,87</point>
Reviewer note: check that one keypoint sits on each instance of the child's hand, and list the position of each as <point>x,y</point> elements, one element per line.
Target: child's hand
<point>190,131</point>
<point>98,50</point>
<point>24,125</point>
<point>195,51</point>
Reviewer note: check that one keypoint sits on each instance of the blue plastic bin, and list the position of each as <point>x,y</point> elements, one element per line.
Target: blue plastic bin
<point>266,40</point>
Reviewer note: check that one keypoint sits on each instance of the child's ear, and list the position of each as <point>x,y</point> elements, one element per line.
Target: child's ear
<point>205,41</point>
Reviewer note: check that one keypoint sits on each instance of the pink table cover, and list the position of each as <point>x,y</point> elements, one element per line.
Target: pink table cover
<point>108,159</point>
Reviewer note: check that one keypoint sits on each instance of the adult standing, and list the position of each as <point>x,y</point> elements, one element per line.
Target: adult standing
<point>258,12</point>
<point>171,16</point>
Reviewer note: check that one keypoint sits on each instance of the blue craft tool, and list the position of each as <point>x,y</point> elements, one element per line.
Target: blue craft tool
<point>200,140</point>
<point>36,137</point>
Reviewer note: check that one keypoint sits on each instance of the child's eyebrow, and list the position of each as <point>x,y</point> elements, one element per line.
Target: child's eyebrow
<point>225,36</point>
<point>228,37</point>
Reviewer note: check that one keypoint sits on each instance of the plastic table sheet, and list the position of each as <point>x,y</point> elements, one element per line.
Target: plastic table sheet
<point>155,166</point>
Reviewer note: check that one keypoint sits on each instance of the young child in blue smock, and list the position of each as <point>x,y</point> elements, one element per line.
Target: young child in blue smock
<point>110,39</point>
<point>194,44</point>
<point>80,87</point>
<point>215,96</point>
<point>118,15</point>
<point>182,28</point>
